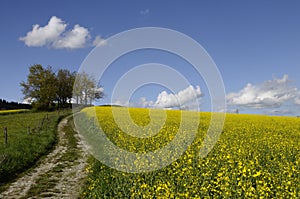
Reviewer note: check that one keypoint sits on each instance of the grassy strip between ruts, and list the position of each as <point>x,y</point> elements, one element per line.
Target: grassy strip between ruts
<point>30,136</point>
<point>47,184</point>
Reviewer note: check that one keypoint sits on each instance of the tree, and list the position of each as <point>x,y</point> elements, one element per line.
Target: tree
<point>46,88</point>
<point>86,89</point>
<point>78,89</point>
<point>40,86</point>
<point>65,80</point>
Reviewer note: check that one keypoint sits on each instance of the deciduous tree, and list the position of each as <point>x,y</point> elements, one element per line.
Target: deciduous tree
<point>65,80</point>
<point>46,88</point>
<point>40,86</point>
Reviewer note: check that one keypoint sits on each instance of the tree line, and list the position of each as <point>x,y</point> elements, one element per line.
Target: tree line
<point>5,105</point>
<point>46,89</point>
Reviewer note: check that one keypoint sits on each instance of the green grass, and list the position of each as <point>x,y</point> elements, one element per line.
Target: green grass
<point>24,149</point>
<point>47,182</point>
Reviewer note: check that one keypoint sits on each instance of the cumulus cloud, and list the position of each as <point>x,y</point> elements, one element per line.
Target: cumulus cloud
<point>28,100</point>
<point>99,89</point>
<point>144,103</point>
<point>55,35</point>
<point>297,100</point>
<point>98,41</point>
<point>75,38</point>
<point>271,93</point>
<point>180,99</point>
<point>40,36</point>
<point>186,99</point>
<point>141,103</point>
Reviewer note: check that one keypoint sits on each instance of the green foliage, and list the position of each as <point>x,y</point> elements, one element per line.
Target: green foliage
<point>40,85</point>
<point>46,88</point>
<point>256,156</point>
<point>65,80</point>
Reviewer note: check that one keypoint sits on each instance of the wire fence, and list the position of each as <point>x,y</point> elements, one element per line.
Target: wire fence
<point>29,123</point>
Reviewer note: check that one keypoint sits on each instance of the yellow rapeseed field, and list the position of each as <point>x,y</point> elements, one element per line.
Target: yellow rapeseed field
<point>255,157</point>
<point>4,112</point>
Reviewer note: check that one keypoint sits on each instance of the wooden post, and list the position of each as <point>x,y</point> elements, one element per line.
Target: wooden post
<point>28,129</point>
<point>43,120</point>
<point>5,135</point>
<point>39,127</point>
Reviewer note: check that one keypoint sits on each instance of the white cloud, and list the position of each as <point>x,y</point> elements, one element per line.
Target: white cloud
<point>28,100</point>
<point>141,103</point>
<point>98,41</point>
<point>297,100</point>
<point>145,12</point>
<point>144,103</point>
<point>185,99</point>
<point>75,38</point>
<point>271,93</point>
<point>279,112</point>
<point>121,103</point>
<point>180,99</point>
<point>99,89</point>
<point>40,36</point>
<point>55,35</point>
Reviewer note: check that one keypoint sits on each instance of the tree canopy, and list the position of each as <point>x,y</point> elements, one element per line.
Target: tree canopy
<point>48,89</point>
<point>86,90</point>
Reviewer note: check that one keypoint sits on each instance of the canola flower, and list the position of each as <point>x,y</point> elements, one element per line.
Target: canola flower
<point>4,112</point>
<point>255,157</point>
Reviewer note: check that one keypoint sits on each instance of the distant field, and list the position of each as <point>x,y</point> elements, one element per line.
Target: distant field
<point>30,136</point>
<point>255,156</point>
<point>6,112</point>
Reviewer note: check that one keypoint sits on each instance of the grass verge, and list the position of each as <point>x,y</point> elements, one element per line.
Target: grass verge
<point>30,136</point>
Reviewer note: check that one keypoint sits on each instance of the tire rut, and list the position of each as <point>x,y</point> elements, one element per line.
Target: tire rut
<point>59,175</point>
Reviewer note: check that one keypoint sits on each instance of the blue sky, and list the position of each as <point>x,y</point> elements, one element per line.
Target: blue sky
<point>255,45</point>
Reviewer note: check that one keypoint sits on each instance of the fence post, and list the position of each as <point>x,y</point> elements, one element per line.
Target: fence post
<point>5,135</point>
<point>39,127</point>
<point>28,129</point>
<point>43,120</point>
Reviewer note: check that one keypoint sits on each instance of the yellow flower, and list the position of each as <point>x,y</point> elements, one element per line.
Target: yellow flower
<point>257,174</point>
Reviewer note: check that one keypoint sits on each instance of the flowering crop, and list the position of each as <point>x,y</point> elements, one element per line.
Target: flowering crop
<point>6,112</point>
<point>255,157</point>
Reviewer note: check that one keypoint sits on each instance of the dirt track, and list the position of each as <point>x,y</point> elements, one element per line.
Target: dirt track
<point>59,175</point>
